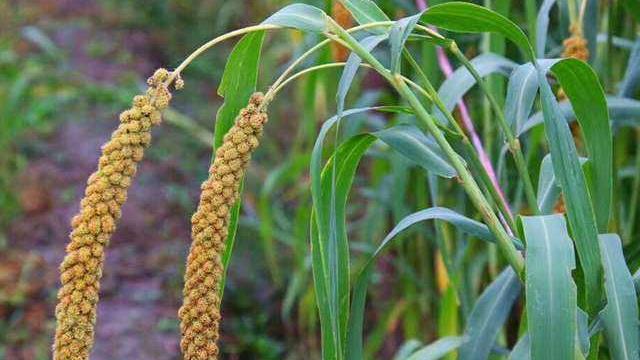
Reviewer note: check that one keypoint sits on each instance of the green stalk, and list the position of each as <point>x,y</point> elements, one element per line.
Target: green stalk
<point>467,181</point>
<point>484,175</point>
<point>512,140</point>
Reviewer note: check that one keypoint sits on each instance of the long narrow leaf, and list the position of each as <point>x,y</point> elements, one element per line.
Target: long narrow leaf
<point>488,316</point>
<point>461,81</point>
<point>299,16</point>
<point>238,83</point>
<point>589,104</point>
<point>550,291</point>
<point>620,316</point>
<point>580,213</point>
<point>438,349</point>
<point>356,319</point>
<point>471,18</point>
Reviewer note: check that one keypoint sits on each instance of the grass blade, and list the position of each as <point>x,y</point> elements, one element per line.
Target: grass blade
<point>398,37</point>
<point>620,316</point>
<point>437,349</point>
<point>414,145</point>
<point>551,293</point>
<point>580,213</point>
<point>461,81</point>
<point>548,188</point>
<point>488,316</point>
<point>589,104</point>
<point>299,16</point>
<point>238,83</point>
<point>364,11</point>
<point>472,227</point>
<point>471,18</point>
<point>542,27</point>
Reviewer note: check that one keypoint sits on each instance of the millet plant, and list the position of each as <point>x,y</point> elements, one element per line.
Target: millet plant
<point>537,197</point>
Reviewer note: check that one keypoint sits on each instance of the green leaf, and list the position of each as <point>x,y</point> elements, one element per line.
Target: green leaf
<point>548,188</point>
<point>398,36</point>
<point>580,213</point>
<point>329,246</point>
<point>356,319</point>
<point>522,91</point>
<point>633,7</point>
<point>364,11</point>
<point>238,83</point>
<point>471,18</point>
<point>461,81</point>
<point>437,349</point>
<point>299,16</point>
<point>580,84</point>
<point>623,112</point>
<point>408,348</point>
<point>351,67</point>
<point>522,349</point>
<point>416,146</point>
<point>620,316</point>
<point>488,316</point>
<point>542,27</point>
<point>631,80</point>
<point>550,290</point>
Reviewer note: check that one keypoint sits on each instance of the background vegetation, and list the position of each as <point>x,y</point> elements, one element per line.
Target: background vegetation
<point>68,67</point>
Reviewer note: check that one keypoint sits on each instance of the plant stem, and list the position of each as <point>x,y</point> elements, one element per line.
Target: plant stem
<point>211,43</point>
<point>273,91</point>
<point>447,70</point>
<point>512,141</point>
<point>512,255</point>
<point>486,170</point>
<point>504,240</point>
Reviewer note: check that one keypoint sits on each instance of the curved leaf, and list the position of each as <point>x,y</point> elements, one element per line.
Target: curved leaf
<point>522,91</point>
<point>471,18</point>
<point>550,291</point>
<point>364,11</point>
<point>548,188</point>
<point>356,319</point>
<point>620,316</point>
<point>299,16</point>
<point>542,27</point>
<point>623,112</point>
<point>581,85</point>
<point>437,349</point>
<point>488,316</point>
<point>416,146</point>
<point>580,212</point>
<point>238,83</point>
<point>461,81</point>
<point>351,67</point>
<point>631,80</point>
<point>398,35</point>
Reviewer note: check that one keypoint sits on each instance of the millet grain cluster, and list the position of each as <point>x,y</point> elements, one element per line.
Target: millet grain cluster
<point>200,312</point>
<point>92,228</point>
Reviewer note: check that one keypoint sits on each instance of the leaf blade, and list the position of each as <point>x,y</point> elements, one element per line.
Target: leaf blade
<point>550,290</point>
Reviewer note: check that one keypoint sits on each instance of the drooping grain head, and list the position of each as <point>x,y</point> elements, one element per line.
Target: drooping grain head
<point>576,45</point>
<point>92,228</point>
<point>200,312</point>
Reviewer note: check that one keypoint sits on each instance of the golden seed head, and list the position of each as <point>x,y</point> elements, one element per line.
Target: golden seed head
<point>209,231</point>
<point>105,193</point>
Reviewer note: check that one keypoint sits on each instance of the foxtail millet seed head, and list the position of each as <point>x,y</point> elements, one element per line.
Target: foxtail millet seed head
<point>106,191</point>
<point>576,46</point>
<point>200,311</point>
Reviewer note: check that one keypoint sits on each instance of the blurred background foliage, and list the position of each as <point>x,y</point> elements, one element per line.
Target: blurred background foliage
<point>67,67</point>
